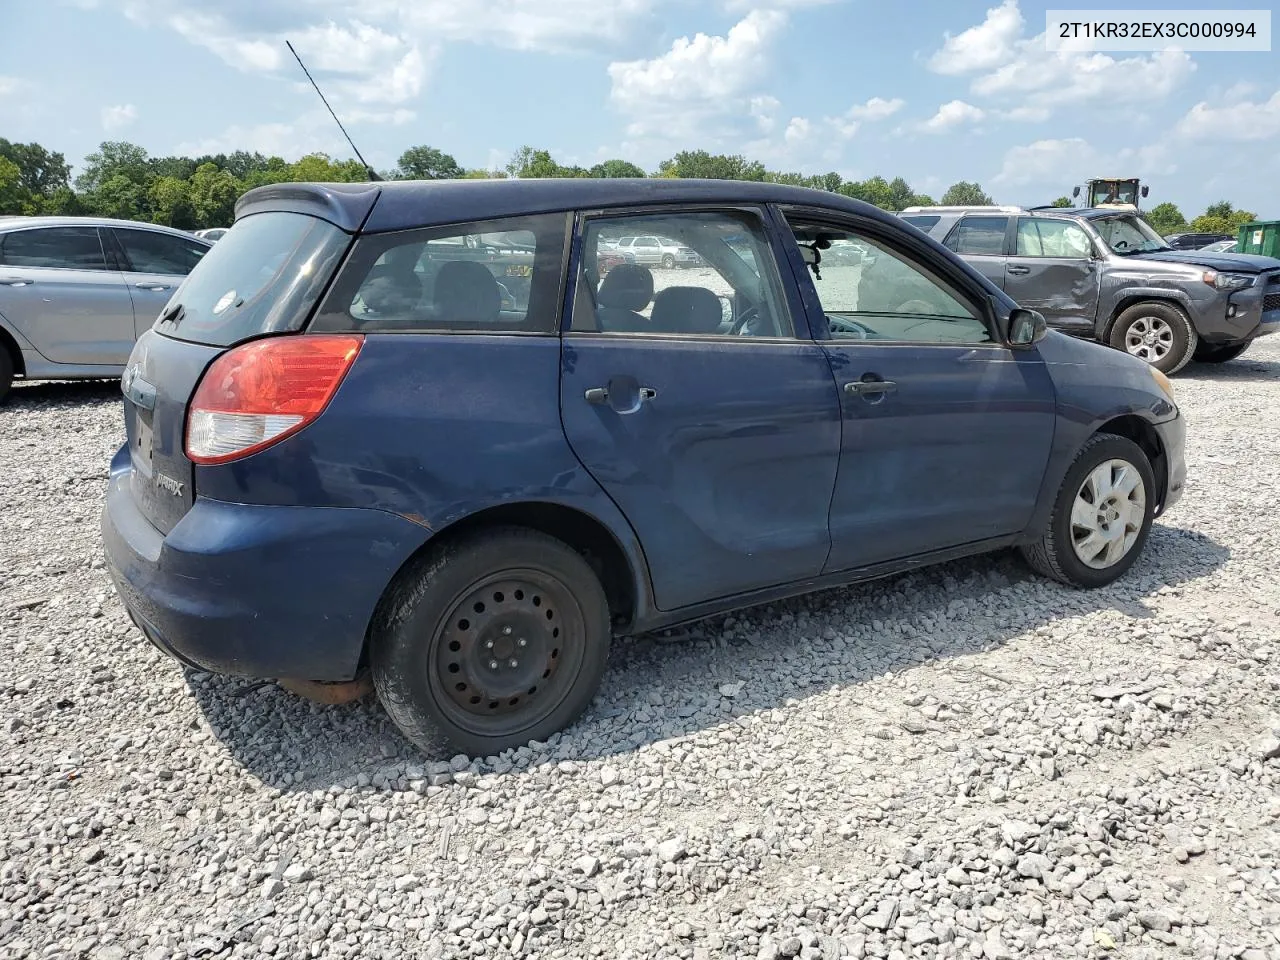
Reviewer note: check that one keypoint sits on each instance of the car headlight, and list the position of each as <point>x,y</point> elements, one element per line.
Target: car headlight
<point>1165,385</point>
<point>1227,281</point>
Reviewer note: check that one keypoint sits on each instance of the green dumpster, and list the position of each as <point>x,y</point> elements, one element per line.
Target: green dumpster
<point>1261,237</point>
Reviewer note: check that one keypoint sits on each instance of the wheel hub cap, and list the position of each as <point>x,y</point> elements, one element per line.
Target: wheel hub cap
<point>1108,514</point>
<point>1149,338</point>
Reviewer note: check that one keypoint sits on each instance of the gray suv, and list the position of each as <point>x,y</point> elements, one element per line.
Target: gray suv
<point>1108,276</point>
<point>75,292</point>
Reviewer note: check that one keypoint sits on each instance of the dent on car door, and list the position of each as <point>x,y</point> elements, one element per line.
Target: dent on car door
<point>946,430</point>
<point>1053,270</point>
<point>58,291</point>
<point>154,265</point>
<point>695,406</point>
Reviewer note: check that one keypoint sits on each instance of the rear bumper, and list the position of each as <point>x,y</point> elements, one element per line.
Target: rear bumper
<point>271,592</point>
<point>1173,439</point>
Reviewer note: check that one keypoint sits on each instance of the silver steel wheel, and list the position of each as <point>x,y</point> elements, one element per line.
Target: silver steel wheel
<point>1149,338</point>
<point>1108,513</point>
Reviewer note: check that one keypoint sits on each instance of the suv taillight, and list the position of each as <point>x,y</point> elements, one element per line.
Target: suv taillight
<point>260,393</point>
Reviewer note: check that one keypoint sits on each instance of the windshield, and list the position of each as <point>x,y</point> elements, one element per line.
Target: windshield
<point>1125,235</point>
<point>1114,191</point>
<point>264,276</point>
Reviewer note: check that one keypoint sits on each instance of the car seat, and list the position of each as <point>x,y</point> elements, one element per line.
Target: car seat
<point>625,290</point>
<point>687,310</point>
<point>466,292</point>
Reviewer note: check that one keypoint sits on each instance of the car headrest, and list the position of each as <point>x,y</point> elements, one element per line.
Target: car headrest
<point>389,290</point>
<point>687,310</point>
<point>465,292</point>
<point>626,287</point>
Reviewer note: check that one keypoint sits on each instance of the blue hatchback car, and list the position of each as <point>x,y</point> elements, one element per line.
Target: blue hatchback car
<point>409,430</point>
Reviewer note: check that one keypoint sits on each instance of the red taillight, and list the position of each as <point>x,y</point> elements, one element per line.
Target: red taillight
<point>258,394</point>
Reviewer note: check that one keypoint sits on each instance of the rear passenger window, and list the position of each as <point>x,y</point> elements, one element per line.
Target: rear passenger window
<point>493,277</point>
<point>925,223</point>
<point>978,235</point>
<point>714,277</point>
<point>71,248</point>
<point>1052,238</point>
<point>152,252</point>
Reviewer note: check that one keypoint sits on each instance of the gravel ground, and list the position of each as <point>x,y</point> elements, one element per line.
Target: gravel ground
<point>965,762</point>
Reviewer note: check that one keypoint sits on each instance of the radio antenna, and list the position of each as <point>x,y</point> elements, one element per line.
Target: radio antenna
<point>367,169</point>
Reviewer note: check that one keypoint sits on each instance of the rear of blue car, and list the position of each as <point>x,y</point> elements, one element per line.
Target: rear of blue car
<point>228,583</point>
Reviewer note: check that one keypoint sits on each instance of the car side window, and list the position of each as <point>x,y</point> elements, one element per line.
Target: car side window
<point>883,295</point>
<point>731,289</point>
<point>152,252</point>
<point>983,236</point>
<point>67,248</point>
<point>499,276</point>
<point>1042,237</point>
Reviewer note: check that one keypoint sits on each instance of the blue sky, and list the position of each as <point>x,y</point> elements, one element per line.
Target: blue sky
<point>930,90</point>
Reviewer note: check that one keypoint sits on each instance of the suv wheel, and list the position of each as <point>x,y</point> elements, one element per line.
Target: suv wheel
<point>1220,353</point>
<point>492,641</point>
<point>1159,333</point>
<point>1101,517</point>
<point>668,261</point>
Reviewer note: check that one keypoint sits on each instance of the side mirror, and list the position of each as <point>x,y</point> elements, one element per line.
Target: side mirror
<point>1145,191</point>
<point>1026,327</point>
<point>1075,191</point>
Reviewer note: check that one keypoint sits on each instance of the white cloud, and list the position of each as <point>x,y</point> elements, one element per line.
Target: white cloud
<point>1012,69</point>
<point>797,131</point>
<point>10,85</point>
<point>313,133</point>
<point>700,81</point>
<point>118,117</point>
<point>563,26</point>
<point>877,108</point>
<point>763,109</point>
<point>1242,121</point>
<point>951,115</point>
<point>1048,161</point>
<point>987,45</point>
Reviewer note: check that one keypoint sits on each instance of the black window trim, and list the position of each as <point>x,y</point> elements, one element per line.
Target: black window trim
<point>911,250</point>
<point>106,267</point>
<point>760,211</point>
<point>126,264</point>
<point>1010,233</point>
<point>337,282</point>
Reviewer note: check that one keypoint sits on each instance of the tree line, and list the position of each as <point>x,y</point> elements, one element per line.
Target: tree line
<point>192,193</point>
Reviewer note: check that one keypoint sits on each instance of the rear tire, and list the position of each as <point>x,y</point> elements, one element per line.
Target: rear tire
<point>1098,527</point>
<point>1220,353</point>
<point>491,641</point>
<point>1159,333</point>
<point>668,261</point>
<point>6,373</point>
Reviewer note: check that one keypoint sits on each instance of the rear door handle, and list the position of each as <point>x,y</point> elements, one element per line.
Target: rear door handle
<point>600,395</point>
<point>1019,270</point>
<point>152,286</point>
<point>15,282</point>
<point>863,388</point>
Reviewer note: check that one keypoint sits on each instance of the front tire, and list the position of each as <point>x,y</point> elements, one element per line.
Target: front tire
<point>1101,517</point>
<point>1159,333</point>
<point>668,261</point>
<point>491,641</point>
<point>1220,353</point>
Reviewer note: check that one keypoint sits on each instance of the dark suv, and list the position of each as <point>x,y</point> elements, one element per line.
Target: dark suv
<point>406,429</point>
<point>1107,275</point>
<point>1194,241</point>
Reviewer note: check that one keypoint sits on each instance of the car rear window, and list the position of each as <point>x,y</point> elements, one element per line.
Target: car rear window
<point>923,223</point>
<point>264,276</point>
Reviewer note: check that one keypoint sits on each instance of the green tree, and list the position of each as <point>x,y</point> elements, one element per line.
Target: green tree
<point>965,194</point>
<point>275,170</point>
<point>118,196</point>
<point>1165,218</point>
<point>170,202</point>
<point>1222,217</point>
<point>319,168</point>
<point>1062,202</point>
<point>12,193</point>
<point>212,193</point>
<point>427,163</point>
<point>40,172</point>
<point>482,174</point>
<point>874,190</point>
<point>614,169</point>
<point>711,166</point>
<point>114,158</point>
<point>61,202</point>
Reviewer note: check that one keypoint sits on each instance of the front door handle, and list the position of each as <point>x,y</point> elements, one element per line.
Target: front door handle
<point>598,396</point>
<point>157,287</point>
<point>1019,270</point>
<point>865,388</point>
<point>601,397</point>
<point>15,282</point>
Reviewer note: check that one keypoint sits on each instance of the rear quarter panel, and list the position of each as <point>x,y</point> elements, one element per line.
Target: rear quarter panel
<point>435,428</point>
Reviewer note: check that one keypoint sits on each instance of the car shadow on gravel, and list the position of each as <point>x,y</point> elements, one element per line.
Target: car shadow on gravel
<point>49,392</point>
<point>666,685</point>
<point>1243,370</point>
